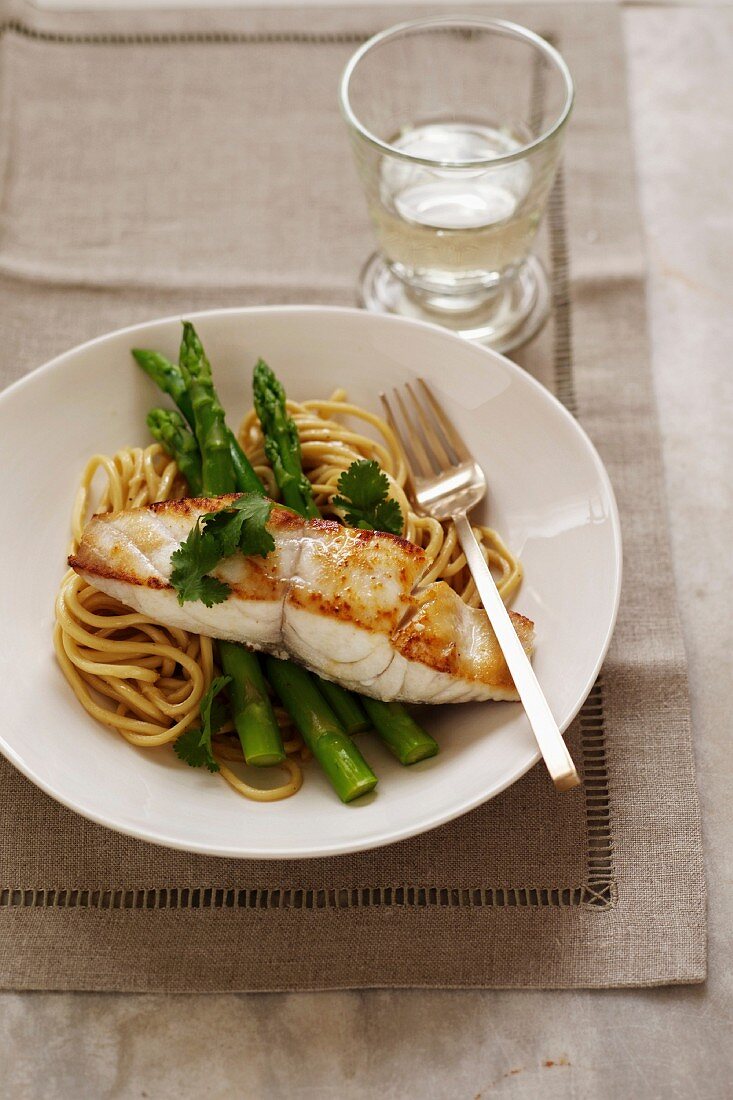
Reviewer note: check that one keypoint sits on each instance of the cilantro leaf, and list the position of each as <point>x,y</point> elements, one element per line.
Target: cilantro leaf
<point>193,559</point>
<point>223,529</point>
<point>365,502</point>
<point>254,538</point>
<point>192,750</point>
<point>388,517</point>
<point>242,526</point>
<point>364,484</point>
<point>212,709</point>
<point>215,536</point>
<point>194,746</point>
<point>210,591</point>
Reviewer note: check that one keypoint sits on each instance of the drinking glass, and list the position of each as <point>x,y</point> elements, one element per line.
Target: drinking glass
<point>456,126</point>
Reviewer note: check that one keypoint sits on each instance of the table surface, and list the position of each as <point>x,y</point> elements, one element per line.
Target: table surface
<point>469,1044</point>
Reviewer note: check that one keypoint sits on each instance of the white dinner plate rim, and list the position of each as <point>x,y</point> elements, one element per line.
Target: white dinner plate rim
<point>441,817</point>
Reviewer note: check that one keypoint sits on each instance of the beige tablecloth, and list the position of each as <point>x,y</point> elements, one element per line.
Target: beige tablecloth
<point>182,164</point>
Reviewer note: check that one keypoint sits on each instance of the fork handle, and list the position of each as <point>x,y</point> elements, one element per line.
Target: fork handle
<point>553,748</point>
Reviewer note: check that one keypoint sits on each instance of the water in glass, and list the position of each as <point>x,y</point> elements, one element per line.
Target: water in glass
<point>455,228</point>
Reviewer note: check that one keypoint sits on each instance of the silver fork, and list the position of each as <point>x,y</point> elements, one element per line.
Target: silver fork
<point>446,483</point>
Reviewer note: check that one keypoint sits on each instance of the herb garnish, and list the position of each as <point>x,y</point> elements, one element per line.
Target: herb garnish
<point>217,535</point>
<point>365,503</point>
<point>194,746</point>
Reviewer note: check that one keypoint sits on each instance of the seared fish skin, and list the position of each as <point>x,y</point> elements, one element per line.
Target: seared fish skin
<point>343,602</point>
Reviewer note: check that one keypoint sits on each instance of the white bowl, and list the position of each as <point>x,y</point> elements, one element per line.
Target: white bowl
<point>549,496</point>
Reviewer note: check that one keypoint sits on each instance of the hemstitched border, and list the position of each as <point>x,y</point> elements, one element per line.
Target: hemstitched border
<point>193,38</point>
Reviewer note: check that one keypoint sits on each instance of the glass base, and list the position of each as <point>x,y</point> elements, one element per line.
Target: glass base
<point>506,318</point>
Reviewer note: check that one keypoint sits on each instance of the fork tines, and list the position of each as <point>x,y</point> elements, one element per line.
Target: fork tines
<point>430,441</point>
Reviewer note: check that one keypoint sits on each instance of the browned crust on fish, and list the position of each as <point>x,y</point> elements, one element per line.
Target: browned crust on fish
<point>186,506</point>
<point>87,559</point>
<point>430,638</point>
<point>282,519</point>
<point>84,562</point>
<point>371,619</point>
<point>364,577</point>
<point>407,547</point>
<point>260,584</point>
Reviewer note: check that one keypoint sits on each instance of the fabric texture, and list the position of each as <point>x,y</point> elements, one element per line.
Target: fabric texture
<point>155,163</point>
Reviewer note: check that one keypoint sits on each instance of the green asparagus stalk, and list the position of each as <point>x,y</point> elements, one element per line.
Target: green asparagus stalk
<point>399,731</point>
<point>254,718</point>
<point>345,767</point>
<point>169,428</point>
<point>244,474</point>
<point>220,469</point>
<point>346,706</point>
<point>282,445</point>
<point>396,728</point>
<point>168,377</point>
<point>208,415</point>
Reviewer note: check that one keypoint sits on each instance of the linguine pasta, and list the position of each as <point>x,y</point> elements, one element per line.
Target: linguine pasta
<point>146,681</point>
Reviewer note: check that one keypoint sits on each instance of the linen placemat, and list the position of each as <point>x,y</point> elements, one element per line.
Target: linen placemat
<point>160,163</point>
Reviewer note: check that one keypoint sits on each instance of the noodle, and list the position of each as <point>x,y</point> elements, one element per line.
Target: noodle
<point>146,681</point>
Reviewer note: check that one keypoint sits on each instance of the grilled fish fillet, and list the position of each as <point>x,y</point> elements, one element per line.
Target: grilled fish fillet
<point>343,602</point>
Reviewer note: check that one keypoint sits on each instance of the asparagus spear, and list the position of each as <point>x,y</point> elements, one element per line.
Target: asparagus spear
<point>345,705</point>
<point>396,728</point>
<point>345,767</point>
<point>399,731</point>
<point>208,415</point>
<point>252,711</point>
<point>282,445</point>
<point>168,377</point>
<point>244,475</point>
<point>169,428</point>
